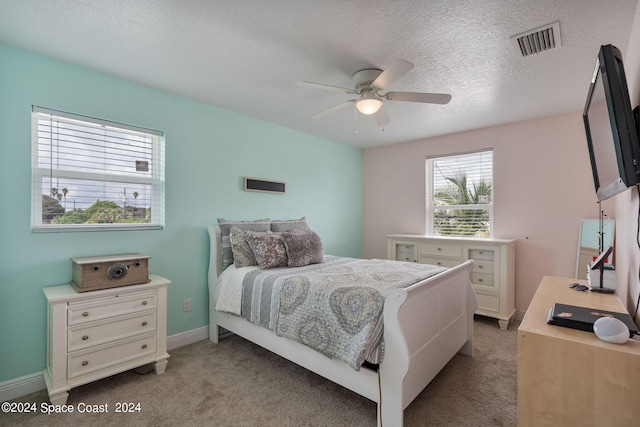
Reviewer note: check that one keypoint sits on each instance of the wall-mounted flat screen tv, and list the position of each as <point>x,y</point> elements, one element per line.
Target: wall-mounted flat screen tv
<point>610,127</point>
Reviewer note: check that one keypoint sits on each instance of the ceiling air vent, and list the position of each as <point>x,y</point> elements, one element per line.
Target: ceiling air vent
<point>538,40</point>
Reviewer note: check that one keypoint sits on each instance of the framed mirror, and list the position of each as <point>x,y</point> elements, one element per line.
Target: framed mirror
<point>589,243</point>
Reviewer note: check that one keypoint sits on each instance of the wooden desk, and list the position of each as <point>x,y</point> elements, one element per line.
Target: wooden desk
<point>568,377</point>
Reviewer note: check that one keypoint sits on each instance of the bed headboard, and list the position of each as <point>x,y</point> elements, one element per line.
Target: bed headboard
<point>215,253</point>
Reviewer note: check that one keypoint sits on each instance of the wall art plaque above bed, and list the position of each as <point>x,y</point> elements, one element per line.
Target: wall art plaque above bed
<point>264,186</point>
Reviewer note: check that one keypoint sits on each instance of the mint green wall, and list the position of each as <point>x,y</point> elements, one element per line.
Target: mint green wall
<point>208,151</point>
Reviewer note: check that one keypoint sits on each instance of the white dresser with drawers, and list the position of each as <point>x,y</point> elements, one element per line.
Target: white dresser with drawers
<point>92,335</point>
<point>492,277</point>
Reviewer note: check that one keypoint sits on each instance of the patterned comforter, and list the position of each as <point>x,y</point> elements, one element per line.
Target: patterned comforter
<point>334,307</point>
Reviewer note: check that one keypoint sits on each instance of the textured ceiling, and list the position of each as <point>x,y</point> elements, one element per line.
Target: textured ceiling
<point>245,56</point>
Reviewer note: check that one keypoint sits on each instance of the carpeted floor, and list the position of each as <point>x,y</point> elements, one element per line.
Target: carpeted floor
<point>237,383</point>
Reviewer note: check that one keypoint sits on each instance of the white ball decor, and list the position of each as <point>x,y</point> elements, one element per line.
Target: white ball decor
<point>611,330</point>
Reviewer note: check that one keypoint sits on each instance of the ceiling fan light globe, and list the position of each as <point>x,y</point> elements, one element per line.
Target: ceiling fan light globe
<point>368,106</point>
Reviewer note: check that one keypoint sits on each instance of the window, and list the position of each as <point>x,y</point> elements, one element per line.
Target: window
<point>91,174</point>
<point>460,195</point>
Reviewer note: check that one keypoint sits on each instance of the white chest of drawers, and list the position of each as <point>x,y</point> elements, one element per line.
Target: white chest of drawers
<point>492,277</point>
<point>92,335</point>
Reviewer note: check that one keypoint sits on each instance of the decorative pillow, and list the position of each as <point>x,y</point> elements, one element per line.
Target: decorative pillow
<point>225,231</point>
<point>242,253</point>
<point>268,248</point>
<point>290,224</point>
<point>303,247</point>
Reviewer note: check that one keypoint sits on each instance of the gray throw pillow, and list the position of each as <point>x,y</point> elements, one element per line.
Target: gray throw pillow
<point>268,248</point>
<point>303,247</point>
<point>225,231</point>
<point>242,253</point>
<point>289,224</point>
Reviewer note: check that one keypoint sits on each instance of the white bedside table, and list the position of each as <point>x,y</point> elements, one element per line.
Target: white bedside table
<point>92,335</point>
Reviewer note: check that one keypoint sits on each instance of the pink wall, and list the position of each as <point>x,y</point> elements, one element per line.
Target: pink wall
<point>626,204</point>
<point>542,188</point>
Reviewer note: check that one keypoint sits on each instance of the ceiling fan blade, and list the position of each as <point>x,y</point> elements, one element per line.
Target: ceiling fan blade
<point>428,98</point>
<point>381,117</point>
<point>332,109</point>
<point>326,87</point>
<point>396,70</point>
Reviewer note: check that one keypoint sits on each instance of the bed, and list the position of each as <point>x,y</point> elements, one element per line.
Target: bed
<point>423,326</point>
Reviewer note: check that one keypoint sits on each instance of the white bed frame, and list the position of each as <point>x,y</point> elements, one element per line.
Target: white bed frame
<point>425,325</point>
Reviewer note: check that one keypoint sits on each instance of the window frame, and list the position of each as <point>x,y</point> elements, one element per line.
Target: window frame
<point>430,207</point>
<point>156,180</point>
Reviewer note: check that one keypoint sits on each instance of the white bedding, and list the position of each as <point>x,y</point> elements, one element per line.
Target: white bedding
<point>230,289</point>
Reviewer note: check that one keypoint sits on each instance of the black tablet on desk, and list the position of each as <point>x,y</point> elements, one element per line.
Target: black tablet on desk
<point>582,318</point>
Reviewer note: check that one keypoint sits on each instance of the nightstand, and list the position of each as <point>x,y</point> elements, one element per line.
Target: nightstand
<point>93,335</point>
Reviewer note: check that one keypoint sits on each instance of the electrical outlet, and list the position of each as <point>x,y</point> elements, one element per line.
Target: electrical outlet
<point>186,304</point>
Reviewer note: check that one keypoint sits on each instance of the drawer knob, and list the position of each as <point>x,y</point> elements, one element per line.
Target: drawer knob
<point>480,266</point>
<point>144,323</point>
<point>480,280</point>
<point>85,337</point>
<point>439,249</point>
<point>85,314</point>
<point>144,303</point>
<point>439,263</point>
<point>481,252</point>
<point>144,346</point>
<point>85,363</point>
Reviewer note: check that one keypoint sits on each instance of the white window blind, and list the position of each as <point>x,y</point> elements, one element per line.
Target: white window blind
<point>92,174</point>
<point>460,195</point>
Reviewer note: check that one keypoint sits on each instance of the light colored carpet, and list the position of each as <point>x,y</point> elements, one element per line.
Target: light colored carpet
<point>237,383</point>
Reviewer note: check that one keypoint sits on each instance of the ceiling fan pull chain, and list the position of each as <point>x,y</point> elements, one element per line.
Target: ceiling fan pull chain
<point>355,120</point>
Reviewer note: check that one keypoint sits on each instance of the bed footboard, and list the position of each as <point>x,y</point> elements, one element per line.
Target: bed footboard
<point>425,325</point>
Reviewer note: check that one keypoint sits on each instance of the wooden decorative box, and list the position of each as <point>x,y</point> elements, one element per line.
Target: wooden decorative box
<point>109,271</point>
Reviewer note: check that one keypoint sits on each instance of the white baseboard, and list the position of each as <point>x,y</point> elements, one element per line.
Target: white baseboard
<point>21,386</point>
<point>519,315</point>
<point>32,383</point>
<point>188,337</point>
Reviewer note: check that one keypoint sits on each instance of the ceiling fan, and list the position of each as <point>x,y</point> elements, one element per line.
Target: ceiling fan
<point>367,85</point>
